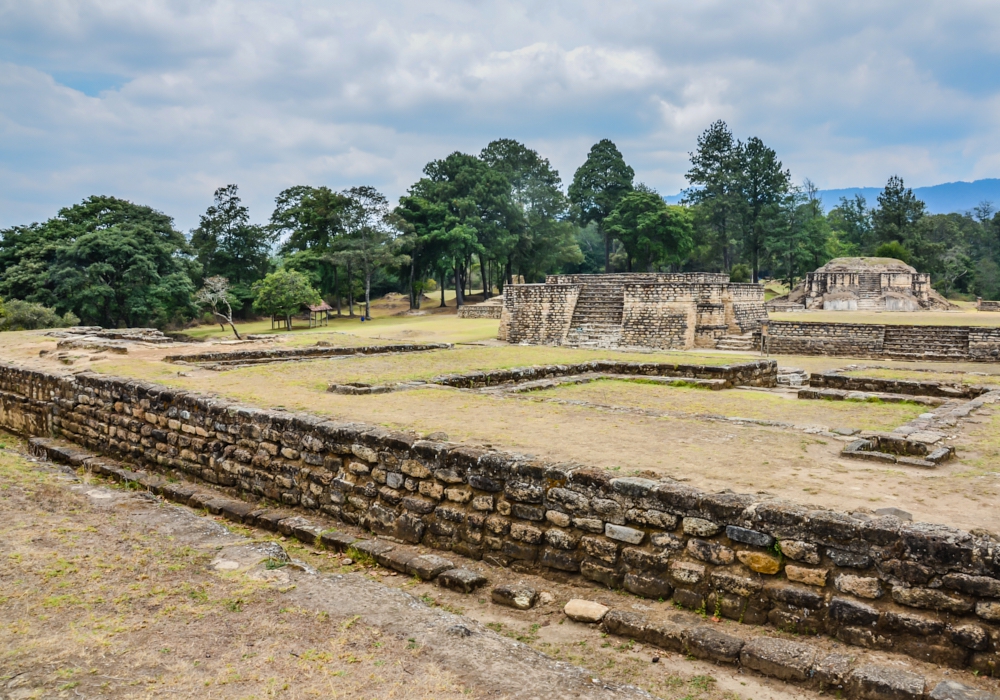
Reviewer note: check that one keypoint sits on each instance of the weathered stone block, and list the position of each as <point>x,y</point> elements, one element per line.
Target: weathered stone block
<point>736,584</point>
<point>699,527</point>
<point>861,586</point>
<point>515,596</point>
<point>585,610</point>
<point>883,683</point>
<point>666,635</point>
<point>795,596</point>
<point>596,571</point>
<point>802,574</point>
<point>759,562</point>
<point>711,552</point>
<point>988,611</point>
<point>707,643</point>
<point>648,586</point>
<point>842,557</point>
<point>687,572</point>
<point>599,548</point>
<point>427,566</point>
<point>779,658</point>
<point>624,534</point>
<point>751,537</point>
<point>461,580</point>
<point>852,612</point>
<point>931,599</point>
<point>951,690</point>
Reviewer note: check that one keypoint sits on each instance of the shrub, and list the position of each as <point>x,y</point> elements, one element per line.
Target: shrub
<point>740,273</point>
<point>893,249</point>
<point>28,316</point>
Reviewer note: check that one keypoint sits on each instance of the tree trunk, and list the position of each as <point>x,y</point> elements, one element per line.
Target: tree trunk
<point>458,285</point>
<point>607,251</point>
<point>510,280</point>
<point>482,277</point>
<point>336,289</point>
<point>414,299</point>
<point>443,303</point>
<point>350,291</point>
<point>368,294</point>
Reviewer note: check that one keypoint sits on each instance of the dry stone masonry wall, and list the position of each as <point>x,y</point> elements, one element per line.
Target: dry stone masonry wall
<point>882,341</point>
<point>927,590</point>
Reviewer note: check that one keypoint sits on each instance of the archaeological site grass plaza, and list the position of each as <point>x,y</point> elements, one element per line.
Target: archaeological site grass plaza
<point>660,462</point>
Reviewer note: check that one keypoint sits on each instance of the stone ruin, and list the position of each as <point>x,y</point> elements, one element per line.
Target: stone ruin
<point>863,284</point>
<point>653,310</point>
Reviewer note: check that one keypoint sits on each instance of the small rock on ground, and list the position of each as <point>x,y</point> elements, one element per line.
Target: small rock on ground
<point>515,596</point>
<point>585,610</point>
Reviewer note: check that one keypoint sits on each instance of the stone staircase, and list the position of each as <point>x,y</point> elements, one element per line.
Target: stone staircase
<point>869,291</point>
<point>926,342</point>
<point>597,317</point>
<point>740,343</point>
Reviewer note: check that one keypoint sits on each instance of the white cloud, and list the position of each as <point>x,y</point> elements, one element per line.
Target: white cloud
<point>269,94</point>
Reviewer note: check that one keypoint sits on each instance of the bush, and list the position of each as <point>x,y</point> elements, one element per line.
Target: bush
<point>28,316</point>
<point>740,273</point>
<point>893,249</point>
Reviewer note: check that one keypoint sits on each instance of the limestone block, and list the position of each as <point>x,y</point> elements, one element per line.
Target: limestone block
<point>687,572</point>
<point>800,551</point>
<point>699,527</point>
<point>751,537</point>
<point>759,562</point>
<point>515,596</point>
<point>789,661</point>
<point>461,580</point>
<point>801,574</point>
<point>624,534</point>
<point>988,611</point>
<point>951,690</point>
<point>707,643</point>
<point>930,598</point>
<point>861,586</point>
<point>557,518</point>
<point>585,610</point>
<point>881,682</point>
<point>711,552</point>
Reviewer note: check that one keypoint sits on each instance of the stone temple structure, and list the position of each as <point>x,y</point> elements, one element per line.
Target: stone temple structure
<point>656,310</point>
<point>863,284</point>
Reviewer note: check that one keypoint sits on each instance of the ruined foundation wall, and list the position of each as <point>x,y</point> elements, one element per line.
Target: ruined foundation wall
<point>538,314</point>
<point>927,590</point>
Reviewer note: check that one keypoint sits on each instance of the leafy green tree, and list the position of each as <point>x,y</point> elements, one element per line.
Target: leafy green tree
<point>536,235</point>
<point>311,220</point>
<point>650,231</point>
<point>228,245</point>
<point>283,293</point>
<point>371,235</point>
<point>851,222</point>
<point>893,249</point>
<point>20,315</point>
<point>714,193</point>
<point>799,237</point>
<point>598,185</point>
<point>107,260</point>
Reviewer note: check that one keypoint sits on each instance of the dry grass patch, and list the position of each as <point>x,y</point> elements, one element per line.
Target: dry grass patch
<point>91,605</point>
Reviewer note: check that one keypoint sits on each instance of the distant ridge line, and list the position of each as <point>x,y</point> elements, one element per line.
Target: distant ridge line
<point>945,198</point>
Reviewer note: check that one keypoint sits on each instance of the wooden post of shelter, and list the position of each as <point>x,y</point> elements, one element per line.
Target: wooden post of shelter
<point>319,315</point>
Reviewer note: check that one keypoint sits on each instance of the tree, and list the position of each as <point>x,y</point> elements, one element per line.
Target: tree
<point>762,185</point>
<point>536,236</point>
<point>893,249</point>
<point>216,295</point>
<point>370,235</point>
<point>598,185</point>
<point>283,293</point>
<point>651,231</point>
<point>228,245</point>
<point>713,176</point>
<point>851,222</point>
<point>898,212</point>
<point>107,260</point>
<point>312,220</point>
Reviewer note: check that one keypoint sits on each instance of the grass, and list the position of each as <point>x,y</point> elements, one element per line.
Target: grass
<point>737,403</point>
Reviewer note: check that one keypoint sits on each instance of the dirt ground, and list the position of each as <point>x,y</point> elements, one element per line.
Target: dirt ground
<point>630,429</point>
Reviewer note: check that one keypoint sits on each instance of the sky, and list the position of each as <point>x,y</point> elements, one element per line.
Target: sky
<point>163,101</point>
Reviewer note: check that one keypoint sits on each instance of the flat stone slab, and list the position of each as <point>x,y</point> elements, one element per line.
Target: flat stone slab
<point>926,437</point>
<point>873,682</point>
<point>950,690</point>
<point>707,643</point>
<point>585,610</point>
<point>666,635</point>
<point>427,566</point>
<point>461,580</point>
<point>780,658</point>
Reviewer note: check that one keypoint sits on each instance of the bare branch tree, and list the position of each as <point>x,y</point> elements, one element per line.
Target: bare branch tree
<point>216,295</point>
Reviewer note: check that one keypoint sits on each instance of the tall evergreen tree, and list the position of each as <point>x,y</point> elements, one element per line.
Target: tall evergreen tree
<point>714,175</point>
<point>598,185</point>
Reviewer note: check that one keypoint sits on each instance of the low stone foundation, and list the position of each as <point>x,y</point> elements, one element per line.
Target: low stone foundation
<point>833,380</point>
<point>927,590</point>
<point>237,358</point>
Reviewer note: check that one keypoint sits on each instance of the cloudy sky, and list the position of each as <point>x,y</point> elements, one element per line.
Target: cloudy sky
<point>162,101</point>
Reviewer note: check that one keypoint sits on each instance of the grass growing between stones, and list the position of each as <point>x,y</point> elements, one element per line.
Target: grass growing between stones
<point>91,604</point>
<point>739,403</point>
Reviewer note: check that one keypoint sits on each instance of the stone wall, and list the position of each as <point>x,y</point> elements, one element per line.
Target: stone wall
<point>538,314</point>
<point>644,277</point>
<point>876,341</point>
<point>658,316</point>
<point>983,305</point>
<point>833,380</point>
<point>927,590</point>
<point>484,310</point>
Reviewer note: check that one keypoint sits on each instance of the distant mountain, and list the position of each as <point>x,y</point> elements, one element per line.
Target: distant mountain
<point>940,199</point>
